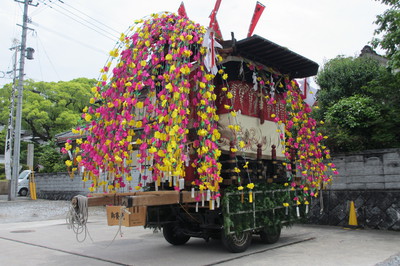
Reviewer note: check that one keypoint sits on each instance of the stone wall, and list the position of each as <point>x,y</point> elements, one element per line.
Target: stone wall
<point>373,169</point>
<point>372,180</point>
<point>375,209</point>
<point>59,186</point>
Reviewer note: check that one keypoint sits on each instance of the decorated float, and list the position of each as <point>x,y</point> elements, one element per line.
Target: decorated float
<point>217,132</point>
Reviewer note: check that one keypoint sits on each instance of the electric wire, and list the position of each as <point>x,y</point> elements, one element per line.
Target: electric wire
<point>38,51</point>
<point>87,21</point>
<point>111,37</point>
<point>40,9</point>
<point>48,58</point>
<point>68,38</point>
<point>117,32</point>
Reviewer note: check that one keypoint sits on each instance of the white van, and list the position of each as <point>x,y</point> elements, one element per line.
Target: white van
<point>23,182</point>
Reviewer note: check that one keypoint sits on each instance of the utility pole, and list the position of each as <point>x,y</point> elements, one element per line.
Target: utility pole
<point>10,127</point>
<point>18,117</point>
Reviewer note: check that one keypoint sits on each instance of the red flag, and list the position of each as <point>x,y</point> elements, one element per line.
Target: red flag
<point>182,10</point>
<point>217,30</point>
<point>214,13</point>
<point>256,16</point>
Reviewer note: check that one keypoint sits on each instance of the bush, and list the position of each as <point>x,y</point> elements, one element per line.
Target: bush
<point>2,171</point>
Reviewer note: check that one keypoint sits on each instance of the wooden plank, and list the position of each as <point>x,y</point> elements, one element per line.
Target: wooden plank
<point>140,198</point>
<point>155,199</point>
<point>101,201</point>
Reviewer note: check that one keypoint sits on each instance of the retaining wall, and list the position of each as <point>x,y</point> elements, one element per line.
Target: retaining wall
<point>59,186</point>
<point>372,180</point>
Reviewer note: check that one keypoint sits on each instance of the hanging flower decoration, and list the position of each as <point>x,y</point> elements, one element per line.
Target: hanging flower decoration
<point>157,91</point>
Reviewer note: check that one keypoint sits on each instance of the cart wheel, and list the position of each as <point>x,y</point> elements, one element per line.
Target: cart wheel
<point>270,236</point>
<point>238,242</point>
<point>173,235</point>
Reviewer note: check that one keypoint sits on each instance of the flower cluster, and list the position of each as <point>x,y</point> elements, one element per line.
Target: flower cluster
<point>157,91</point>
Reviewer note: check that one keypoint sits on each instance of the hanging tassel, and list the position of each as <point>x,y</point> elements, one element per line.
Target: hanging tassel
<point>192,193</point>
<point>298,211</point>
<point>181,183</point>
<point>211,204</point>
<point>197,207</point>
<point>250,196</point>
<point>218,201</point>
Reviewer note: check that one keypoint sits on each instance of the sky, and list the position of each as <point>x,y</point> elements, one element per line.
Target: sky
<point>72,39</point>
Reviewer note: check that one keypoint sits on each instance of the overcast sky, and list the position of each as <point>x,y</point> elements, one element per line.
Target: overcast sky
<point>72,38</point>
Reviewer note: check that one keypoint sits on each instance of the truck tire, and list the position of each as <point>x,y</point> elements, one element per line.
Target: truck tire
<point>238,242</point>
<point>173,235</point>
<point>270,236</point>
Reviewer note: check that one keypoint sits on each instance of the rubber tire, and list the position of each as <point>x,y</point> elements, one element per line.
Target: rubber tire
<point>173,236</point>
<point>23,192</point>
<point>270,238</point>
<point>237,243</point>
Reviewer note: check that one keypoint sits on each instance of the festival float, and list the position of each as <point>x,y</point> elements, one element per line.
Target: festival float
<point>217,130</point>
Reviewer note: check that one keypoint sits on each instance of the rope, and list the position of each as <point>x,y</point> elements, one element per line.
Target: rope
<point>77,217</point>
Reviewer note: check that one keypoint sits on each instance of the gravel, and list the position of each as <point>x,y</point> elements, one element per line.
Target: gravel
<point>23,209</point>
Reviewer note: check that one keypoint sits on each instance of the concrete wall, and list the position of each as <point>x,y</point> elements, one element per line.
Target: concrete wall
<point>373,169</point>
<point>3,187</point>
<point>371,179</point>
<point>375,209</point>
<point>59,186</point>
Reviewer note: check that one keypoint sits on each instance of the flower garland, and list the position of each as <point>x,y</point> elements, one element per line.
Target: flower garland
<point>148,102</point>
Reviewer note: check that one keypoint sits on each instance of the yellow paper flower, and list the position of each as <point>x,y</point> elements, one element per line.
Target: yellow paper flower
<point>250,185</point>
<point>240,188</point>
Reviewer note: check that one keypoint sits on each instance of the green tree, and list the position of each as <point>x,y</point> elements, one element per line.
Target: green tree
<point>360,102</point>
<point>49,107</point>
<point>343,77</point>
<point>49,157</point>
<point>389,32</point>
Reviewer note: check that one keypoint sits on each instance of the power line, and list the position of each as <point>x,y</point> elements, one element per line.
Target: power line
<point>100,28</point>
<point>39,10</point>
<point>67,37</point>
<point>48,58</point>
<point>63,13</point>
<point>117,32</point>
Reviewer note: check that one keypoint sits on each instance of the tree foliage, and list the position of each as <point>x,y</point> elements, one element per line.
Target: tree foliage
<point>388,32</point>
<point>360,102</point>
<point>49,107</point>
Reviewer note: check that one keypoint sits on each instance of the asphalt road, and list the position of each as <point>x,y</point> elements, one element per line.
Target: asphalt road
<point>35,233</point>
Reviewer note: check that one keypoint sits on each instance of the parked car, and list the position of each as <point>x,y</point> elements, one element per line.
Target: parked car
<point>23,183</point>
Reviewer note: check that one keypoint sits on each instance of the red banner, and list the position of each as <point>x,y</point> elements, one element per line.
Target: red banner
<point>182,10</point>
<point>256,16</point>
<point>214,13</point>
<point>217,30</point>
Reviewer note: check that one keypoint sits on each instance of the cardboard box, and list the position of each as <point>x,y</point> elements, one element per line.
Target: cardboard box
<point>137,216</point>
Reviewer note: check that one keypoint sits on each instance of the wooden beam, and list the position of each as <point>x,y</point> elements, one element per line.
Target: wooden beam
<point>158,198</point>
<point>140,198</point>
